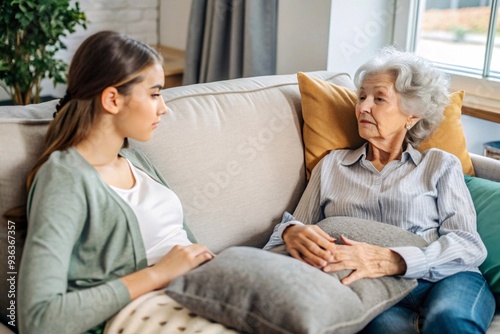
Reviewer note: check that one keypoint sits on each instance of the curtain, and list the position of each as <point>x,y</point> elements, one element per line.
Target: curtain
<point>230,39</point>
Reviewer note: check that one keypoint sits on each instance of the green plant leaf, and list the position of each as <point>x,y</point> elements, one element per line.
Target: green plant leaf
<point>30,38</point>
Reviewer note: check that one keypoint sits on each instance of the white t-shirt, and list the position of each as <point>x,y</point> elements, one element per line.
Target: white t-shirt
<point>159,213</point>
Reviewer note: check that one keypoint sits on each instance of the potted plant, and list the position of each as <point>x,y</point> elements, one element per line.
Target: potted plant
<point>30,37</point>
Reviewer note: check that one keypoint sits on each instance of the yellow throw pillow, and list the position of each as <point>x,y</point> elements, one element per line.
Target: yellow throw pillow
<point>329,119</point>
<point>330,123</point>
<point>449,136</point>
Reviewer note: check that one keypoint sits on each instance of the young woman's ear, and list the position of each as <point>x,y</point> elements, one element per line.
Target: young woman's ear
<point>111,100</point>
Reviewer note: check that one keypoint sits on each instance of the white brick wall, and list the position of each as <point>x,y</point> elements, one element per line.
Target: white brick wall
<point>138,19</point>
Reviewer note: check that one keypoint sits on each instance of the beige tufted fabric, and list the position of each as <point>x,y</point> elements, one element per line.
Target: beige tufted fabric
<point>157,313</point>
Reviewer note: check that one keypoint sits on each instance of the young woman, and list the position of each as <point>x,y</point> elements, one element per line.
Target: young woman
<point>103,225</point>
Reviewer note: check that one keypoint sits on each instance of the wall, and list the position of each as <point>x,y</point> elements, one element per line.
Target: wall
<point>298,20</point>
<point>312,35</point>
<point>355,35</point>
<point>478,131</point>
<point>138,19</point>
<point>302,37</point>
<point>174,20</point>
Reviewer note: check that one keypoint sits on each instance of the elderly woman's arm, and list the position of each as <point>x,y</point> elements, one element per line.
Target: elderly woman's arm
<point>455,247</point>
<point>459,246</point>
<point>305,241</point>
<point>454,244</point>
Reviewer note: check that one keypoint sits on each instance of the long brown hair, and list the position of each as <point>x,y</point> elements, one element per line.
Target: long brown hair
<point>105,59</point>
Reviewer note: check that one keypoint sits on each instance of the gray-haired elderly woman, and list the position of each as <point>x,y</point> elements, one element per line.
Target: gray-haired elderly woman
<point>401,101</point>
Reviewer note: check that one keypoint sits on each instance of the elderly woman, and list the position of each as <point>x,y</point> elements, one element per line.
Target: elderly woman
<point>401,101</point>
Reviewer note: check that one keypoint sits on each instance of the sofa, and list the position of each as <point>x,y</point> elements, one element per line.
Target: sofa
<point>233,151</point>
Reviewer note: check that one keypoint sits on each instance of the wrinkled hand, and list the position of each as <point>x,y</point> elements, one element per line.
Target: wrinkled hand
<point>309,243</point>
<point>365,260</point>
<point>179,261</point>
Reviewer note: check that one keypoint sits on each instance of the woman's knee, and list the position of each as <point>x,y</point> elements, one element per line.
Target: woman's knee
<point>444,319</point>
<point>461,303</point>
<point>395,320</point>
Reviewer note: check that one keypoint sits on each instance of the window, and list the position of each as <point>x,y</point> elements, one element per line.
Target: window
<point>462,37</point>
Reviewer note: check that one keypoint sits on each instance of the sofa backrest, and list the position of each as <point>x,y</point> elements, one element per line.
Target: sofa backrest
<point>22,131</point>
<point>231,150</point>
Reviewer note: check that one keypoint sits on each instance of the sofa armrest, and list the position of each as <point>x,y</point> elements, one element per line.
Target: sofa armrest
<point>486,168</point>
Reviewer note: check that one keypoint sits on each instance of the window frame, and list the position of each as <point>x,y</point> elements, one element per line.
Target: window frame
<point>480,89</point>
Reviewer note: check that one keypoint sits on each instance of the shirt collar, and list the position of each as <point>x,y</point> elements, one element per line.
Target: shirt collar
<point>360,154</point>
<point>355,155</point>
<point>412,153</point>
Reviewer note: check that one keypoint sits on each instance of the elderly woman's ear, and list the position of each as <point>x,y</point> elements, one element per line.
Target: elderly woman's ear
<point>412,120</point>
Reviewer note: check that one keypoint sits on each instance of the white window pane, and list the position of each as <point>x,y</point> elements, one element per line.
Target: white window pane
<point>454,32</point>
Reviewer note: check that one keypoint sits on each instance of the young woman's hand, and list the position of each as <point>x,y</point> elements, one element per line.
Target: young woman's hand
<point>179,261</point>
<point>309,243</point>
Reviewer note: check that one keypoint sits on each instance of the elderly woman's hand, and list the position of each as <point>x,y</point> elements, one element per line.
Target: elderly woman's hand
<point>365,260</point>
<point>309,243</point>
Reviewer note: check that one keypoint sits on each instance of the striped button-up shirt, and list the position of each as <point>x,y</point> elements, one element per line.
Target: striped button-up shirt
<point>424,193</point>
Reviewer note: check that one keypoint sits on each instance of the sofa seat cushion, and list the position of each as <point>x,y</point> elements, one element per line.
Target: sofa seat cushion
<point>257,291</point>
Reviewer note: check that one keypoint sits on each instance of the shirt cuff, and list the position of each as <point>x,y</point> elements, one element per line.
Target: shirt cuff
<point>416,262</point>
<point>283,226</point>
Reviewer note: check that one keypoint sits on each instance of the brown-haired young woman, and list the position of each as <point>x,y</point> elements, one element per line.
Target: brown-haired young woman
<point>101,218</point>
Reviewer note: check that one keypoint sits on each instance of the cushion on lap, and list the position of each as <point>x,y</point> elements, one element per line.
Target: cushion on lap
<point>256,291</point>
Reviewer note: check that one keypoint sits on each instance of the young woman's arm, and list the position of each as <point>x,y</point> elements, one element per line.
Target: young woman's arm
<point>74,275</point>
<point>48,300</point>
<point>179,261</point>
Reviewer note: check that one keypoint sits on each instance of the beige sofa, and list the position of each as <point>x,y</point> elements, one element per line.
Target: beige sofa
<point>231,150</point>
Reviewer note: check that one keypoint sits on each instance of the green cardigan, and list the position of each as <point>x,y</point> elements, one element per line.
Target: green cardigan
<point>82,237</point>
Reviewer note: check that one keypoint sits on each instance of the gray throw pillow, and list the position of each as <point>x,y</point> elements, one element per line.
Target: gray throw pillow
<point>256,291</point>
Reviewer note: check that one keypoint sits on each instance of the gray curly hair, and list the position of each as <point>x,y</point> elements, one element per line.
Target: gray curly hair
<point>422,88</point>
